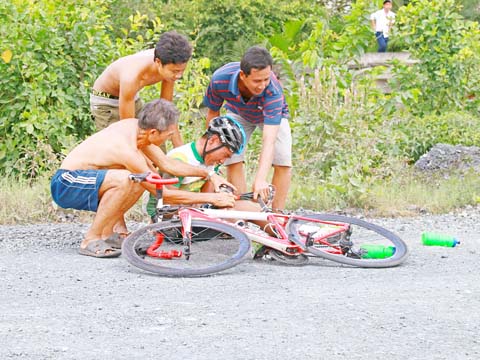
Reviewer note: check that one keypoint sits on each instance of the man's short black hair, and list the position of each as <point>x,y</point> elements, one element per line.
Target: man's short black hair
<point>256,57</point>
<point>387,1</point>
<point>173,48</point>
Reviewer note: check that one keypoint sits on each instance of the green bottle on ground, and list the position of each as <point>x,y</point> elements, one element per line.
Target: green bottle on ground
<point>435,239</point>
<point>374,251</point>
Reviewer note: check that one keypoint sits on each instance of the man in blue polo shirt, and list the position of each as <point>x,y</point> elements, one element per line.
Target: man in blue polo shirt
<point>253,96</point>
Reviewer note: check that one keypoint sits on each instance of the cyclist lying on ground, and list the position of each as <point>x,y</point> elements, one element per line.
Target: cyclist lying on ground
<point>94,175</point>
<point>223,138</point>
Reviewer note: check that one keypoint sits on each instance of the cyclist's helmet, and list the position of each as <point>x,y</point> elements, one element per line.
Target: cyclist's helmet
<point>229,131</point>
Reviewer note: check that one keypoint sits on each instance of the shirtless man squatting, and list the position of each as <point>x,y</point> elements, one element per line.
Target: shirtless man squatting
<point>94,175</point>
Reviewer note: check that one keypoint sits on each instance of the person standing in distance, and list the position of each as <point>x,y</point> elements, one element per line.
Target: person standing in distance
<point>382,22</point>
<point>115,94</point>
<point>253,96</point>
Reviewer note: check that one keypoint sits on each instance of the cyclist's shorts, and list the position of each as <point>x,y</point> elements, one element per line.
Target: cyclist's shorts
<point>77,189</point>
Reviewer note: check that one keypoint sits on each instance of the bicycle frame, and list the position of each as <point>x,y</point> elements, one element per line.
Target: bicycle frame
<point>279,223</point>
<point>205,241</point>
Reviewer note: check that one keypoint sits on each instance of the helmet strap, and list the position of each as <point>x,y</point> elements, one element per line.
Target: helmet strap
<point>205,152</point>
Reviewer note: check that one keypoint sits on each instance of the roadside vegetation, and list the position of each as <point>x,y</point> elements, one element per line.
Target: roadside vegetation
<point>354,146</point>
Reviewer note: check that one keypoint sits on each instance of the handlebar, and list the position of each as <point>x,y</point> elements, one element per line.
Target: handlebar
<point>265,206</point>
<point>154,178</point>
<point>158,180</point>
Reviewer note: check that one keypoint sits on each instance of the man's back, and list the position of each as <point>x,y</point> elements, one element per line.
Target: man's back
<point>131,69</point>
<point>109,148</point>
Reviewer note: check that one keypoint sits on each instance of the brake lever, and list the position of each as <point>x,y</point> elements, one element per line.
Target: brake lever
<point>262,204</point>
<point>138,178</point>
<point>271,194</point>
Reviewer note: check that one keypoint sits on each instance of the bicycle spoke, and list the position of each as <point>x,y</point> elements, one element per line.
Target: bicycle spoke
<point>348,240</point>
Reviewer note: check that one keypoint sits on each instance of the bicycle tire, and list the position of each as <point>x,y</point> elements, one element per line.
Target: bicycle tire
<point>215,247</point>
<point>362,233</point>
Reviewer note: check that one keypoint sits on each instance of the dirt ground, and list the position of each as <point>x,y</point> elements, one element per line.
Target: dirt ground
<point>56,304</point>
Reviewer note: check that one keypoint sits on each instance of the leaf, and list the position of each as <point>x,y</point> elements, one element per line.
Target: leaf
<point>280,42</point>
<point>292,28</point>
<point>7,56</point>
<point>30,129</point>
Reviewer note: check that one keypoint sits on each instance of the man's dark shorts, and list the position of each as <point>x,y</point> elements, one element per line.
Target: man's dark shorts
<point>77,189</point>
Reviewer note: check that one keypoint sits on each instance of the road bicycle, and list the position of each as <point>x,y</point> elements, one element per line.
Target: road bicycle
<point>188,241</point>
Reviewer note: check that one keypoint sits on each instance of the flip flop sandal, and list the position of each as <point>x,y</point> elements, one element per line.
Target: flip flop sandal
<point>99,249</point>
<point>116,240</point>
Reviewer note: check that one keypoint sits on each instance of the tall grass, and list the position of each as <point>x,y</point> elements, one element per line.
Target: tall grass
<point>403,195</point>
<point>25,202</point>
<point>410,193</point>
<point>406,193</point>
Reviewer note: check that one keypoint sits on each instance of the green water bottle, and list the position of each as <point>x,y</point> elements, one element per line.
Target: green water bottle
<point>374,251</point>
<point>435,239</point>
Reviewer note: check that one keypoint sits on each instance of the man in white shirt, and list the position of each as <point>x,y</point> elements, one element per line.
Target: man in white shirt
<point>382,22</point>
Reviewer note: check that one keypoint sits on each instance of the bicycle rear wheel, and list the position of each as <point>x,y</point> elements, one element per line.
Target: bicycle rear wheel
<point>214,247</point>
<point>347,240</point>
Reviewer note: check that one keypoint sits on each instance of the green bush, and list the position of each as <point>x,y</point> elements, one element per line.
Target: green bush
<point>341,135</point>
<point>51,55</point>
<point>415,136</point>
<point>310,43</point>
<point>221,30</point>
<point>447,46</point>
<point>471,9</point>
<point>57,48</point>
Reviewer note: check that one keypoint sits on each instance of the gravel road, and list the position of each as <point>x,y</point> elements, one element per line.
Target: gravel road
<point>56,304</point>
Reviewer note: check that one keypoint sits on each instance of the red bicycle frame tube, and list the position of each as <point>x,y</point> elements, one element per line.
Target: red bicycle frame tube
<point>186,219</point>
<point>340,228</point>
<point>277,221</point>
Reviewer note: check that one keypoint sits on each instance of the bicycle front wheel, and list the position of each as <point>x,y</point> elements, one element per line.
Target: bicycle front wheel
<point>213,247</point>
<point>347,240</point>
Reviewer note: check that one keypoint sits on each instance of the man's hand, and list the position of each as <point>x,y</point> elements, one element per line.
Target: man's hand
<point>260,185</point>
<point>223,199</point>
<point>217,180</point>
<point>261,188</point>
